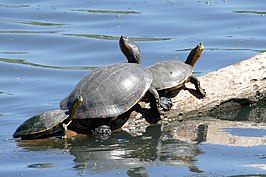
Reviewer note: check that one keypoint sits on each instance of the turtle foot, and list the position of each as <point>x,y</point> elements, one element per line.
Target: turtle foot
<point>202,92</point>
<point>102,132</point>
<point>166,103</point>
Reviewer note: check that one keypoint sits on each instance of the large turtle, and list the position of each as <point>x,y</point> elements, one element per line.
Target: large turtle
<point>109,93</point>
<point>169,76</point>
<point>48,123</point>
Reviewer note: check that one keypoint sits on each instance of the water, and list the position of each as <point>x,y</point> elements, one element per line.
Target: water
<point>46,47</point>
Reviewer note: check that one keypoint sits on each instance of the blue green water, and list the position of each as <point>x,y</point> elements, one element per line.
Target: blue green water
<point>48,46</point>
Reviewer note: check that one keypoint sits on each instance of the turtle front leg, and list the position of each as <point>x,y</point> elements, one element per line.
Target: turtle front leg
<point>157,105</point>
<point>166,103</point>
<point>64,129</point>
<point>200,90</point>
<point>161,103</point>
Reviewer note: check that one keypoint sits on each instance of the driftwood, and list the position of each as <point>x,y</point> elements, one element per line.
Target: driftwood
<point>243,83</point>
<point>227,89</point>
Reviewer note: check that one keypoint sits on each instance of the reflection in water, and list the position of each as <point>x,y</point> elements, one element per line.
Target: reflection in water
<point>217,132</point>
<point>175,144</point>
<point>122,151</point>
<point>246,113</point>
<point>41,165</point>
<point>137,172</point>
<point>24,62</point>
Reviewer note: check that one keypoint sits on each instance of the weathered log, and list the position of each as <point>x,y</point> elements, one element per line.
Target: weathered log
<point>227,89</point>
<point>243,83</point>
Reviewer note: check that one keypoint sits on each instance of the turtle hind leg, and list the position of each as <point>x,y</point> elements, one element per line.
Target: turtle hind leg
<point>153,114</point>
<point>200,91</point>
<point>102,129</point>
<point>102,132</point>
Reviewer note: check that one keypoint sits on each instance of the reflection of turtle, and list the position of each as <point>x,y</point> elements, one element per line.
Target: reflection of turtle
<point>47,123</point>
<point>169,76</point>
<point>109,93</point>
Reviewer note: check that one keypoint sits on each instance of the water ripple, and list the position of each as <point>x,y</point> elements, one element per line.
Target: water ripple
<point>250,12</point>
<point>119,12</point>
<point>27,32</point>
<point>107,37</point>
<point>14,5</point>
<point>24,62</point>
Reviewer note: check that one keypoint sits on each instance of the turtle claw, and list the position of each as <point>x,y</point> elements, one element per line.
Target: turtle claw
<point>102,132</point>
<point>203,92</point>
<point>166,103</point>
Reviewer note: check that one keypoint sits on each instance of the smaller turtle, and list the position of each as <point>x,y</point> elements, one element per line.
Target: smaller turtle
<point>47,123</point>
<point>168,76</point>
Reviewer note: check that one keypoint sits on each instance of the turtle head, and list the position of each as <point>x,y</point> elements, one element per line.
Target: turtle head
<point>130,50</point>
<point>75,105</point>
<point>194,55</point>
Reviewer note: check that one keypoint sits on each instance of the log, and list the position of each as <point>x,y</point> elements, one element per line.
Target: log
<point>227,90</point>
<point>243,83</point>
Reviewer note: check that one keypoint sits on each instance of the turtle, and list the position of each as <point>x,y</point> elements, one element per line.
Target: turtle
<point>110,94</point>
<point>170,75</point>
<point>47,123</point>
<point>131,50</point>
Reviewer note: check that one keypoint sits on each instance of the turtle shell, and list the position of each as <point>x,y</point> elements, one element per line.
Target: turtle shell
<point>110,91</point>
<point>41,124</point>
<point>169,74</point>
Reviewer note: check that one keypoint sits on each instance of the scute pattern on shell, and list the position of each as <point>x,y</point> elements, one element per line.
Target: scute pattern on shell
<point>110,91</point>
<point>42,122</point>
<point>168,74</point>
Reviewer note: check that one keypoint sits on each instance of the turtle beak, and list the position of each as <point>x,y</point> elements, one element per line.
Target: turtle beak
<point>130,50</point>
<point>123,43</point>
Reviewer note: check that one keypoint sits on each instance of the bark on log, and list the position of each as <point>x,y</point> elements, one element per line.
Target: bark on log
<point>227,89</point>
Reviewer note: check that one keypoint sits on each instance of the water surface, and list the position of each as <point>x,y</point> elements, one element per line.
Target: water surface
<point>47,47</point>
